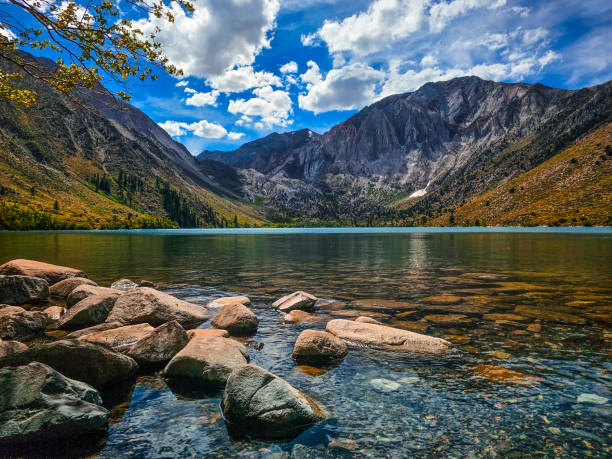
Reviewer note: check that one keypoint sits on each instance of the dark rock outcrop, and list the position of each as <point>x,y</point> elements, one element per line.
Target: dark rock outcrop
<point>19,324</point>
<point>90,311</point>
<point>63,288</point>
<point>17,290</point>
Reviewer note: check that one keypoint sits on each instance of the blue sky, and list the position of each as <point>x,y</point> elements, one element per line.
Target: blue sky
<point>257,66</point>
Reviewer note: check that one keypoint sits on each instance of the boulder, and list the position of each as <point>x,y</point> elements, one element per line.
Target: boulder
<point>258,403</point>
<point>146,305</point>
<point>54,313</point>
<point>95,329</point>
<point>63,288</point>
<point>120,339</point>
<point>39,404</point>
<point>297,300</point>
<point>127,284</point>
<point>16,290</point>
<point>315,347</point>
<point>160,345</point>
<point>51,273</point>
<point>83,291</point>
<point>207,332</point>
<point>387,337</point>
<point>367,320</point>
<point>11,347</point>
<point>92,364</point>
<point>219,302</point>
<point>207,360</point>
<point>17,323</point>
<point>89,311</point>
<point>298,316</point>
<point>237,319</point>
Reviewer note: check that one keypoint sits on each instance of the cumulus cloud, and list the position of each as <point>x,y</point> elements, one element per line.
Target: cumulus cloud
<point>181,83</point>
<point>312,75</point>
<point>235,135</point>
<point>201,128</point>
<point>218,36</point>
<point>242,78</point>
<point>289,67</point>
<point>271,107</point>
<point>200,99</point>
<point>442,13</point>
<point>346,88</point>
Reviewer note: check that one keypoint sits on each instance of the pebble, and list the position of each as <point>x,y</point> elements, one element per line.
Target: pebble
<point>384,385</point>
<point>592,398</point>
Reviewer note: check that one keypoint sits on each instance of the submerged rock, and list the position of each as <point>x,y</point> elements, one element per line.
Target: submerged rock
<point>387,337</point>
<point>90,363</point>
<point>220,302</point>
<point>85,290</point>
<point>258,403</point>
<point>207,332</point>
<point>298,316</point>
<point>51,273</point>
<point>63,288</point>
<point>11,347</point>
<point>592,398</point>
<point>90,311</point>
<point>448,320</point>
<point>121,338</point>
<point>384,385</point>
<point>314,347</point>
<point>443,299</point>
<point>160,345</point>
<point>207,360</point>
<point>124,284</point>
<point>16,290</point>
<point>237,319</point>
<point>297,300</point>
<point>37,403</point>
<point>18,324</point>
<point>500,374</point>
<point>548,315</point>
<point>146,305</point>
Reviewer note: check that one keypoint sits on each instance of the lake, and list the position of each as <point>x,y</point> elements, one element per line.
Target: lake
<point>534,301</point>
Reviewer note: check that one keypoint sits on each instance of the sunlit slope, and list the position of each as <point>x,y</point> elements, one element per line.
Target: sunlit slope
<point>573,187</point>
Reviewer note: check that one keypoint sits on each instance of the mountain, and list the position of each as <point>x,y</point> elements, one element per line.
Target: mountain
<point>416,154</point>
<point>89,161</point>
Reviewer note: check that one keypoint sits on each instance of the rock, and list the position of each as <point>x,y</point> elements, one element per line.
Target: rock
<point>19,324</point>
<point>548,314</point>
<point>298,316</point>
<point>237,319</point>
<point>160,345</point>
<point>90,311</point>
<point>51,273</point>
<point>443,299</point>
<point>378,303</point>
<point>259,403</point>
<point>84,290</point>
<point>11,347</point>
<point>297,300</point>
<point>535,328</point>
<point>592,398</point>
<point>16,290</point>
<point>500,355</point>
<point>120,339</point>
<point>510,317</point>
<point>448,320</point>
<point>92,364</point>
<point>367,320</point>
<point>354,313</point>
<point>207,332</point>
<point>146,283</point>
<point>95,329</point>
<point>207,360</point>
<point>54,313</point>
<point>124,284</point>
<point>219,302</point>
<point>146,305</point>
<point>387,337</point>
<point>314,347</point>
<point>500,374</point>
<point>332,306</point>
<point>37,403</point>
<point>384,385</point>
<point>63,288</point>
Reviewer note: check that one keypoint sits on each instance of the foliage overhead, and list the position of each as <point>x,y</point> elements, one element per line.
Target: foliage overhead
<point>95,43</point>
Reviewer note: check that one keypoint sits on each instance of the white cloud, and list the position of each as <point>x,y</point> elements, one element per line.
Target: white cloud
<point>190,91</point>
<point>242,78</point>
<point>289,67</point>
<point>442,13</point>
<point>181,83</point>
<point>312,75</point>
<point>216,37</point>
<point>272,107</point>
<point>346,88</point>
<point>201,128</point>
<point>235,135</point>
<point>200,99</point>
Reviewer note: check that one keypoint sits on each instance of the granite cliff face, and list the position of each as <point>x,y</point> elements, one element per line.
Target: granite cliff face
<point>412,145</point>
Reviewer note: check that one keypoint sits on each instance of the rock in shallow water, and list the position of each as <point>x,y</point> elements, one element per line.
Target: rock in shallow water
<point>146,305</point>
<point>297,300</point>
<point>19,324</point>
<point>384,385</point>
<point>90,311</point>
<point>51,273</point>
<point>316,347</point>
<point>207,332</point>
<point>63,288</point>
<point>38,403</point>
<point>83,291</point>
<point>237,319</point>
<point>121,338</point>
<point>387,337</point>
<point>160,345</point>
<point>17,290</point>
<point>219,302</point>
<point>92,364</point>
<point>256,402</point>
